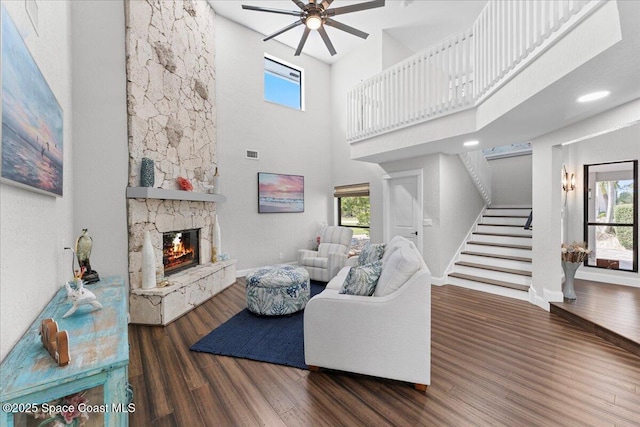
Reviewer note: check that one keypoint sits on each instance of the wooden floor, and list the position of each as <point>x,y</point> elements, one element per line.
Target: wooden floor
<point>495,362</point>
<point>609,311</point>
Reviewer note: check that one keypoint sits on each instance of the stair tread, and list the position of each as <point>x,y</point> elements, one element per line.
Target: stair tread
<point>488,255</point>
<point>500,245</point>
<point>506,216</point>
<point>482,233</point>
<point>490,281</point>
<point>502,225</point>
<point>494,268</point>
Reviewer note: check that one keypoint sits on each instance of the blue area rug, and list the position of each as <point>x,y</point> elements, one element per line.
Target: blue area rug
<point>278,340</point>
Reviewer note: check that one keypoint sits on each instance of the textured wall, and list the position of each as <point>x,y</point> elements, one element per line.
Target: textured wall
<point>171,110</point>
<point>171,89</point>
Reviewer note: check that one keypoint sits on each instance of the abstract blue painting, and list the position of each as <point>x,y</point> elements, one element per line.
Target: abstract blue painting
<point>32,149</point>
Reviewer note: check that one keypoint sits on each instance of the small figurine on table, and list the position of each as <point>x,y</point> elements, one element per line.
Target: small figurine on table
<point>84,245</point>
<point>80,296</point>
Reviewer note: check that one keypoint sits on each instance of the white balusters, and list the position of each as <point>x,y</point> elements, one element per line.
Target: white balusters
<point>479,171</point>
<point>457,72</point>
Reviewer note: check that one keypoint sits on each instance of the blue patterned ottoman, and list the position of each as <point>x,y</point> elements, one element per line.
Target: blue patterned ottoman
<point>278,290</point>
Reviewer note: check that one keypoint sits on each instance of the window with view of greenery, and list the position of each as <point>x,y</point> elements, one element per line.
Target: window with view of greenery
<point>611,229</point>
<point>354,211</point>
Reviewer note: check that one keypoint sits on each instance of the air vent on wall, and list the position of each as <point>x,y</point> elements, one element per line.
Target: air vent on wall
<point>252,154</point>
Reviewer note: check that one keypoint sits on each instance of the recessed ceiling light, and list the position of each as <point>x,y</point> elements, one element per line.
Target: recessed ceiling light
<point>593,96</point>
<point>471,143</point>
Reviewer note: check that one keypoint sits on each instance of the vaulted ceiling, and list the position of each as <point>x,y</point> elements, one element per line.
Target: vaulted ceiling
<point>417,24</point>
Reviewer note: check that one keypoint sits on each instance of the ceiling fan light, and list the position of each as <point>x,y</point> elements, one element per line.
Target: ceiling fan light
<point>313,22</point>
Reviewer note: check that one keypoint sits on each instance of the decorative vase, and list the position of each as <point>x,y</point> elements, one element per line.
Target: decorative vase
<point>570,269</point>
<point>148,263</point>
<point>216,239</point>
<point>215,181</point>
<point>147,173</point>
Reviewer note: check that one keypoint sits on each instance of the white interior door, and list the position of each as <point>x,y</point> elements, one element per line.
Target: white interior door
<point>403,206</point>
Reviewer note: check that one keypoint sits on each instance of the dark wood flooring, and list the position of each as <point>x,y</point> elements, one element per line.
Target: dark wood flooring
<point>609,311</point>
<point>495,362</point>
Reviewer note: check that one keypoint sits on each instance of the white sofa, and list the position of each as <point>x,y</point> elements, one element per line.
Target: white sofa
<point>385,335</point>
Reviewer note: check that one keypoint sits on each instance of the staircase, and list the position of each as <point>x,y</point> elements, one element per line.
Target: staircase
<point>496,257</point>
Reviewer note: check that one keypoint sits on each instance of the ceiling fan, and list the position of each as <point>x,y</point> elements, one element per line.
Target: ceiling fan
<point>315,15</point>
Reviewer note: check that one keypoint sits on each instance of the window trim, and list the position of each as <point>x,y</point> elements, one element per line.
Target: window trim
<point>634,225</point>
<point>302,81</point>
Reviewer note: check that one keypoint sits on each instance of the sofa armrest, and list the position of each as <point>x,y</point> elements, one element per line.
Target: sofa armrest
<point>386,336</point>
<point>306,253</point>
<point>351,262</point>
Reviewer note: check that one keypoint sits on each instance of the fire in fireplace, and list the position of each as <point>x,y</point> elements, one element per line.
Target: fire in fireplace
<point>180,250</point>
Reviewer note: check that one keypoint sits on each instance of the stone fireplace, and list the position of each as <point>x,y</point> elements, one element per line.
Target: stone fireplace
<point>171,120</point>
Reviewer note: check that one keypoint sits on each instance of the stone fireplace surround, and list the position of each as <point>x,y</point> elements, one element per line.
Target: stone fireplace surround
<point>170,50</point>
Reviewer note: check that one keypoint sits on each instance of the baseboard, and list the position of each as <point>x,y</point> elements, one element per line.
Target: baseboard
<point>609,276</point>
<point>247,271</point>
<point>538,300</point>
<point>439,281</point>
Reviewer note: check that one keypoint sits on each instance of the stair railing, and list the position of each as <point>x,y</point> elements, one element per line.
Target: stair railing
<point>462,70</point>
<point>480,173</point>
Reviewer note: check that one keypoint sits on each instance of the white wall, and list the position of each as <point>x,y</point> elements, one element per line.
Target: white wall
<point>393,51</point>
<point>100,132</point>
<point>289,141</point>
<point>35,227</point>
<point>511,181</point>
<point>359,65</point>
<point>460,205</point>
<point>620,144</point>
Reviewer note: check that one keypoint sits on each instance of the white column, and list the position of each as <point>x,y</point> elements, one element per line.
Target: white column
<point>547,225</point>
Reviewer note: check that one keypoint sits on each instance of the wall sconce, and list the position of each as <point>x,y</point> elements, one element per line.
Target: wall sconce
<point>568,181</point>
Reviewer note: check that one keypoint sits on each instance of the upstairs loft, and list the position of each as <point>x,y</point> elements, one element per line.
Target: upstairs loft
<point>513,76</point>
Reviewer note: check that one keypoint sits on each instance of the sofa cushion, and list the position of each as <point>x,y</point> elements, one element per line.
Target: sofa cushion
<point>362,279</point>
<point>401,265</point>
<point>371,252</point>
<point>392,246</point>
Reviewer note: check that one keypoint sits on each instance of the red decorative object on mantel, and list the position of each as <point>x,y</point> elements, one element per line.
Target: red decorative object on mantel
<point>184,184</point>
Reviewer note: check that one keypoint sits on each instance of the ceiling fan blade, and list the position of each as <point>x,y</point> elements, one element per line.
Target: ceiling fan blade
<point>327,41</point>
<point>266,9</point>
<point>287,28</point>
<point>346,28</point>
<point>299,4</point>
<point>355,7</point>
<point>303,40</point>
<point>326,4</point>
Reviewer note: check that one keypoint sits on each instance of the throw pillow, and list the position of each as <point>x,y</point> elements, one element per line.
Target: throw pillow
<point>401,265</point>
<point>362,279</point>
<point>392,246</point>
<point>371,253</point>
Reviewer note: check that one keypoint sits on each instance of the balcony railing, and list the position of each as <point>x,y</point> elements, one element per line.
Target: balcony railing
<point>461,71</point>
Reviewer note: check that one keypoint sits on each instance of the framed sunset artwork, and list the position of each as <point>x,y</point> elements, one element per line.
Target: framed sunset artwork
<point>32,146</point>
<point>280,193</point>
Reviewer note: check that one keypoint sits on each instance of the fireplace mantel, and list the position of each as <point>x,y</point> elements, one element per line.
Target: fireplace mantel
<point>165,194</point>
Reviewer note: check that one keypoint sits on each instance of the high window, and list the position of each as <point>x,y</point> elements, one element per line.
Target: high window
<point>354,211</point>
<point>283,83</point>
<point>610,207</point>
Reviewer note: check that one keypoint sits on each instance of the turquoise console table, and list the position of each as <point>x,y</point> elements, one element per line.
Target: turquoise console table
<point>99,350</point>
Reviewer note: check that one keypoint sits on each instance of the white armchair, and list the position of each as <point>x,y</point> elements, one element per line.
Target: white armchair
<point>331,255</point>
